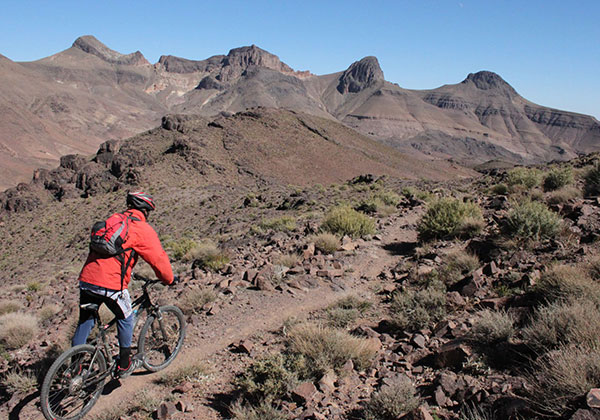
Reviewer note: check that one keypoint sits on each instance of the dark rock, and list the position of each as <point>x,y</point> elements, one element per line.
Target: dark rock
<point>360,75</point>
<point>452,354</point>
<point>165,410</point>
<point>593,398</point>
<point>581,414</point>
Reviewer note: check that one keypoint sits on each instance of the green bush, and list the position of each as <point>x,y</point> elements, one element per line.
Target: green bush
<point>592,181</point>
<point>346,311</point>
<point>532,220</point>
<point>393,400</point>
<point>344,220</point>
<point>207,255</point>
<point>526,177</point>
<point>491,327</point>
<point>499,189</point>
<point>448,217</point>
<point>179,249</point>
<point>558,178</point>
<point>280,224</point>
<point>267,379</point>
<point>414,310</point>
<point>563,195</point>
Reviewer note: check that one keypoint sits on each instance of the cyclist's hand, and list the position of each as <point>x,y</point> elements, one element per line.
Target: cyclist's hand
<point>176,280</point>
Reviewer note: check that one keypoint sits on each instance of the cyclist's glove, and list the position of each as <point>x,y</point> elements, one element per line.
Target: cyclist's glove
<point>176,280</point>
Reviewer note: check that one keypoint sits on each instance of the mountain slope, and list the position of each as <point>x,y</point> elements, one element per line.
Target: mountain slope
<point>74,100</point>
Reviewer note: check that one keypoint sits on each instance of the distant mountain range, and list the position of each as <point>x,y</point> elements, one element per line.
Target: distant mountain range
<point>74,100</point>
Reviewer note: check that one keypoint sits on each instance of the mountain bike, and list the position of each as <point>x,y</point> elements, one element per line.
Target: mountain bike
<point>76,379</point>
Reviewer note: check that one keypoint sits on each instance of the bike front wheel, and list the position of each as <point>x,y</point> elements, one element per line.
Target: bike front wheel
<point>73,383</point>
<point>161,338</point>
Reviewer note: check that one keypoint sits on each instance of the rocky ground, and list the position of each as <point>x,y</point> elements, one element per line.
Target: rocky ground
<point>418,311</point>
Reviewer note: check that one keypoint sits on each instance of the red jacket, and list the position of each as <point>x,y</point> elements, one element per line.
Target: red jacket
<point>106,272</point>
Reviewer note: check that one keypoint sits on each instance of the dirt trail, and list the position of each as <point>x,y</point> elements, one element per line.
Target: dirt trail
<point>250,312</point>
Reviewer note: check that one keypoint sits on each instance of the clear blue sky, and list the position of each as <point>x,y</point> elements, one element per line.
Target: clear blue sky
<point>548,50</point>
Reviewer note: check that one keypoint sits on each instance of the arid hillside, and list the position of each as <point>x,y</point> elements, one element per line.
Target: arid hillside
<point>73,101</point>
<point>313,290</point>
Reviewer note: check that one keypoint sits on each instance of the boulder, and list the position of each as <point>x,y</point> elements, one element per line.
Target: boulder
<point>593,398</point>
<point>304,393</point>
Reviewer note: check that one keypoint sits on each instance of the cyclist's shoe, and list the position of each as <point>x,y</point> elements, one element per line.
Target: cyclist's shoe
<point>120,373</point>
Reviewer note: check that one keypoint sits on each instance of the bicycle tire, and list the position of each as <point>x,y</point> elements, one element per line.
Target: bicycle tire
<point>157,350</point>
<point>64,394</point>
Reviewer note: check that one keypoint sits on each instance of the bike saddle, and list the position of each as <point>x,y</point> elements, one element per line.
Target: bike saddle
<point>90,307</point>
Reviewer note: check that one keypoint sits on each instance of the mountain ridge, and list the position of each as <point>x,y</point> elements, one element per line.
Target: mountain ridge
<point>89,93</point>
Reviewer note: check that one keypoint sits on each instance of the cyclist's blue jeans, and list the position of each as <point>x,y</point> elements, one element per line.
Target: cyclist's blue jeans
<point>87,321</point>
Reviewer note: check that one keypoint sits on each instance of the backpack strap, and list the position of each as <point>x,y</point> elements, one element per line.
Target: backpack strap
<point>121,256</point>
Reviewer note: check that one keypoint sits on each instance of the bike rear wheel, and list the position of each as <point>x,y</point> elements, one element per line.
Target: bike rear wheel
<point>161,338</point>
<point>73,383</point>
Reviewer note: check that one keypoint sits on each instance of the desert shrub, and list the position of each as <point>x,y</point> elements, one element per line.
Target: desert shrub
<point>447,217</point>
<point>499,189</point>
<point>564,375</point>
<point>393,400</point>
<point>376,205</point>
<point>593,268</point>
<point>190,373</point>
<point>492,327</point>
<point>17,329</point>
<point>476,412</point>
<point>288,260</point>
<point>414,310</point>
<point>194,299</point>
<point>262,411</point>
<point>346,310</point>
<point>8,306</point>
<point>280,224</point>
<point>207,255</point>
<point>526,177</point>
<point>341,317</point>
<point>558,178</point>
<point>326,348</point>
<point>564,282</point>
<point>268,379</point>
<point>532,220</point>
<point>20,382</point>
<point>561,323</point>
<point>48,311</point>
<point>145,400</point>
<point>179,250</point>
<point>344,220</point>
<point>592,181</point>
<point>563,195</point>
<point>389,198</point>
<point>457,265</point>
<point>327,243</point>
<point>413,193</point>
<point>34,286</point>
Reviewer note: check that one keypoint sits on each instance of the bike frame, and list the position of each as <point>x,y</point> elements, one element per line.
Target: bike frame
<point>140,305</point>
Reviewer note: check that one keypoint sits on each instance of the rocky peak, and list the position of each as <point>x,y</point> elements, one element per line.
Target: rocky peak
<point>487,80</point>
<point>89,44</point>
<point>360,75</point>
<point>238,60</point>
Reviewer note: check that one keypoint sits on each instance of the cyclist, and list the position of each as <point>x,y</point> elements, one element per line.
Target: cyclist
<point>105,279</point>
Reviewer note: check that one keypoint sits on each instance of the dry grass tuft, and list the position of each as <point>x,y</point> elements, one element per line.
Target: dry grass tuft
<point>327,243</point>
<point>393,400</point>
<point>194,299</point>
<point>492,327</point>
<point>207,255</point>
<point>564,282</point>
<point>195,372</point>
<point>457,265</point>
<point>262,411</point>
<point>413,310</point>
<point>48,311</point>
<point>8,306</point>
<point>564,375</point>
<point>328,348</point>
<point>17,329</point>
<point>288,260</point>
<point>20,382</point>
<point>563,195</point>
<point>562,323</point>
<point>280,224</point>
